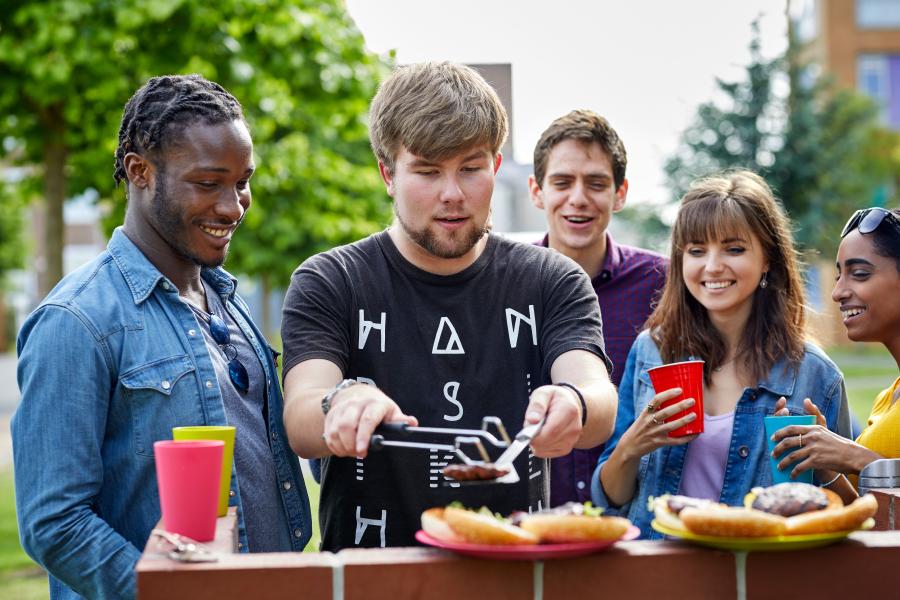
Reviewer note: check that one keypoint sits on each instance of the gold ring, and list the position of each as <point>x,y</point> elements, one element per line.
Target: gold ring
<point>800,439</point>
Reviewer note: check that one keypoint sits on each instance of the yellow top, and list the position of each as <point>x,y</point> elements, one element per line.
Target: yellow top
<point>882,433</point>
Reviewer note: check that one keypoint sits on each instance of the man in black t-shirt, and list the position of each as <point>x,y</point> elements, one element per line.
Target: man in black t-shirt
<point>444,323</point>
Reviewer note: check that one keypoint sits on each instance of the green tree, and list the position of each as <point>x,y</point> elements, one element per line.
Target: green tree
<point>822,150</point>
<point>299,67</point>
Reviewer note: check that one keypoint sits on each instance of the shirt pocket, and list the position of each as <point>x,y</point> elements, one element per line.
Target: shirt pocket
<point>150,389</point>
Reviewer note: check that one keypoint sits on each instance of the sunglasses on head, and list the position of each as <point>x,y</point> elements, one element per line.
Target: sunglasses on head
<point>868,220</point>
<point>237,372</point>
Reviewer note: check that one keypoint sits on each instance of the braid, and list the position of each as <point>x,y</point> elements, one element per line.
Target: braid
<point>166,105</point>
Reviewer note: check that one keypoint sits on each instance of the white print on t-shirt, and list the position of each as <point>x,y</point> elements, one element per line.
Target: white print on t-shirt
<point>362,524</point>
<point>360,465</point>
<point>365,327</point>
<point>454,346</point>
<point>451,388</point>
<point>436,464</point>
<point>514,318</point>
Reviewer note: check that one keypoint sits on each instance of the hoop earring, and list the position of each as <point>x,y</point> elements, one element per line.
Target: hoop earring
<point>764,282</point>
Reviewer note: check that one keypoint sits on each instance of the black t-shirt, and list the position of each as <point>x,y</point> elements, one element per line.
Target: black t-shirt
<point>449,350</point>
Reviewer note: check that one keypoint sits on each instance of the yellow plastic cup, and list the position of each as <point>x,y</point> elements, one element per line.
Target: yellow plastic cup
<point>224,433</point>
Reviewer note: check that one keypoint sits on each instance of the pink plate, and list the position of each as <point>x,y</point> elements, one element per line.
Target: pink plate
<point>535,552</point>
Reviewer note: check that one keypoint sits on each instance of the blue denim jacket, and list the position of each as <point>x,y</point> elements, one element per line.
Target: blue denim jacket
<point>748,459</point>
<point>108,363</point>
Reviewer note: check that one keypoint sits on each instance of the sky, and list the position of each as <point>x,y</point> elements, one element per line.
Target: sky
<point>645,65</point>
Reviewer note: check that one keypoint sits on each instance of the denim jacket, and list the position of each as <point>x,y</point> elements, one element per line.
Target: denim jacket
<point>748,458</point>
<point>109,362</point>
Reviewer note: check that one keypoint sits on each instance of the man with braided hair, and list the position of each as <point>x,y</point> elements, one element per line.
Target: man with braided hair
<point>131,345</point>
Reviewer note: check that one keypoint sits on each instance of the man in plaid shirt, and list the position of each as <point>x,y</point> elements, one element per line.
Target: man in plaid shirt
<point>579,180</point>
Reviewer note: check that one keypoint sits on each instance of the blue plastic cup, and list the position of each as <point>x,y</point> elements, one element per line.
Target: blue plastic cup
<point>773,424</point>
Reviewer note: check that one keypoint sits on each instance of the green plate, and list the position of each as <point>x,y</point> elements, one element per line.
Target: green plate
<point>781,542</point>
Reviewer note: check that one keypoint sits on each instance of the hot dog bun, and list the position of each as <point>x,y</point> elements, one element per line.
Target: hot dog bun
<point>434,524</point>
<point>481,528</point>
<point>732,522</point>
<point>666,509</point>
<point>573,522</point>
<point>834,519</point>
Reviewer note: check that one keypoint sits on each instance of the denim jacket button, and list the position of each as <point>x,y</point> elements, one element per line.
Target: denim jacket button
<point>744,451</point>
<point>209,384</point>
<point>580,485</point>
<point>192,332</point>
<point>298,533</point>
<point>274,436</point>
<point>286,485</point>
<point>165,384</point>
<point>231,493</point>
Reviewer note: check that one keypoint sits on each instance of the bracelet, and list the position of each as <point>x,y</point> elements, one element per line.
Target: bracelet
<point>580,397</point>
<point>836,477</point>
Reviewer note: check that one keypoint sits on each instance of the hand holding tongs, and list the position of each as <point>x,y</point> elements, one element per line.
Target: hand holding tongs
<point>186,549</point>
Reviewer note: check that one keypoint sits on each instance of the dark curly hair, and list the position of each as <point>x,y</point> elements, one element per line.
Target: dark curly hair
<point>886,238</point>
<point>163,107</point>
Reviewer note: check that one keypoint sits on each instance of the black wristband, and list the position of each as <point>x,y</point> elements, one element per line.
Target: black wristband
<point>580,397</point>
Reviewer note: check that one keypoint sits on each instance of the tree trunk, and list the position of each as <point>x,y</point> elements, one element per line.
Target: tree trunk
<point>55,154</point>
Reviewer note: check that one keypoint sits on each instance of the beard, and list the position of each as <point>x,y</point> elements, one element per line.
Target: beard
<point>459,244</point>
<point>172,225</point>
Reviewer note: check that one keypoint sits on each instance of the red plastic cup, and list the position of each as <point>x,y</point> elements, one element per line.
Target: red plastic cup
<point>188,474</point>
<point>689,377</point>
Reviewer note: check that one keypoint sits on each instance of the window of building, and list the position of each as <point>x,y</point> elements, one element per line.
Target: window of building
<point>878,76</point>
<point>877,14</point>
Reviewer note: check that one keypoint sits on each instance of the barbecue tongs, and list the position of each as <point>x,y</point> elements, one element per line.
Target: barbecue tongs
<point>463,437</point>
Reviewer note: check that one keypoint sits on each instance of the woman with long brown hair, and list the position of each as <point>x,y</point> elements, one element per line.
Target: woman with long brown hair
<point>734,299</point>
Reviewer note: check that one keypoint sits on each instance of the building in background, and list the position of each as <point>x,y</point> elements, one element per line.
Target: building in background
<point>857,42</point>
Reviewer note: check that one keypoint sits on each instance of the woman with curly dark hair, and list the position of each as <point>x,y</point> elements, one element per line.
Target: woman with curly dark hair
<point>867,289</point>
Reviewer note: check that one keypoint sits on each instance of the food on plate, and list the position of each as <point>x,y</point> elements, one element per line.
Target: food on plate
<point>784,509</point>
<point>731,521</point>
<point>475,472</point>
<point>793,498</point>
<point>810,509</point>
<point>484,527</point>
<point>667,508</point>
<point>435,525</point>
<point>572,522</point>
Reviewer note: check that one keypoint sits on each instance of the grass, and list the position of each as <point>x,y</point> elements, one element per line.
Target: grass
<point>20,578</point>
<point>868,369</point>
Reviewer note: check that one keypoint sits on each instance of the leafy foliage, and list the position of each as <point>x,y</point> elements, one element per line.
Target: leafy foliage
<point>299,67</point>
<point>822,150</point>
<point>12,221</point>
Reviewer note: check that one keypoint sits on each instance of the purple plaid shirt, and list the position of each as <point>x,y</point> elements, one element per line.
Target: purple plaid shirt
<point>629,282</point>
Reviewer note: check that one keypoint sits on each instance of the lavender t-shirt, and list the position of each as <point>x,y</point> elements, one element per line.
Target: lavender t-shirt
<point>704,465</point>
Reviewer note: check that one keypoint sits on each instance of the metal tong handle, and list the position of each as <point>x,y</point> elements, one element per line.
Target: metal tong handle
<point>377,442</point>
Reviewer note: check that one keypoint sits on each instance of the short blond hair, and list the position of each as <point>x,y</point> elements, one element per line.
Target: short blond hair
<point>435,110</point>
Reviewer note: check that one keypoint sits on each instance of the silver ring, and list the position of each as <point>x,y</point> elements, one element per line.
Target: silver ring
<point>650,408</point>
<point>800,439</point>
<point>655,420</point>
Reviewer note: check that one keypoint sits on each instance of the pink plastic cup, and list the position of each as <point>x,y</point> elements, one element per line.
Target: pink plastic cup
<point>188,474</point>
<point>689,377</point>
